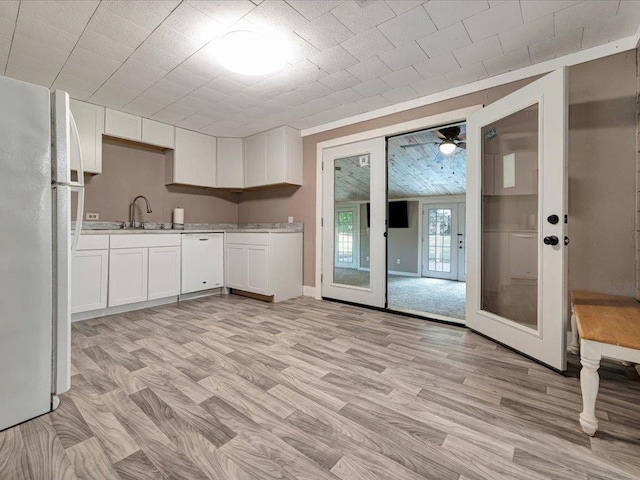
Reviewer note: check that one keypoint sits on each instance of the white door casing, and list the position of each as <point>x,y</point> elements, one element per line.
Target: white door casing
<point>547,342</point>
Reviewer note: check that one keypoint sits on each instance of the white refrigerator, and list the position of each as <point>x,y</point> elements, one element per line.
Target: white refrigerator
<point>37,134</point>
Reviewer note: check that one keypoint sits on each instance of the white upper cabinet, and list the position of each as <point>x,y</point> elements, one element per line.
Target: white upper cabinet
<point>156,133</point>
<point>254,163</point>
<point>230,163</point>
<point>123,125</point>
<point>90,122</point>
<point>193,161</point>
<point>273,157</point>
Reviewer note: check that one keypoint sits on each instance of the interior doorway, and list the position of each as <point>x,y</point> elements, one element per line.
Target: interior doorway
<point>426,248</point>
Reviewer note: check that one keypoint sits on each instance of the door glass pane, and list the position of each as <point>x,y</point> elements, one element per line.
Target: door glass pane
<point>352,195</point>
<point>440,239</point>
<point>509,262</point>
<point>345,230</point>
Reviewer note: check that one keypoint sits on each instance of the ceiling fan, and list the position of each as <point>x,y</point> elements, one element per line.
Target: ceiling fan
<point>451,139</point>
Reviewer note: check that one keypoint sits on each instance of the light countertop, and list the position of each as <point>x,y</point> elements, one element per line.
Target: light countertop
<point>114,228</point>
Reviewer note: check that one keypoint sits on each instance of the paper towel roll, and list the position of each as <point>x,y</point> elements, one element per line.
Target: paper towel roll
<point>178,216</point>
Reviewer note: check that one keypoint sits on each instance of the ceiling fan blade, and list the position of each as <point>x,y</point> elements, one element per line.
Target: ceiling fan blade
<point>462,136</point>
<point>439,134</point>
<point>462,145</point>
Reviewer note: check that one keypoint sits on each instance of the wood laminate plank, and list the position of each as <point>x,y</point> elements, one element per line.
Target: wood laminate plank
<point>90,461</point>
<point>45,454</point>
<point>14,463</point>
<point>227,387</point>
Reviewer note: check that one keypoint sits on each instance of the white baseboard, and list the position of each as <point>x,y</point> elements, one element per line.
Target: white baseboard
<point>403,274</point>
<point>103,312</point>
<point>308,291</point>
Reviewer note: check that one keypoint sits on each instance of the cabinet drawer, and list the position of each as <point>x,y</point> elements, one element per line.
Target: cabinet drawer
<point>247,238</point>
<point>145,240</point>
<point>93,242</point>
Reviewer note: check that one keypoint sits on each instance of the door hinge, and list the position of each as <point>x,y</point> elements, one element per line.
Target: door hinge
<point>322,222</point>
<point>322,165</point>
<point>321,277</point>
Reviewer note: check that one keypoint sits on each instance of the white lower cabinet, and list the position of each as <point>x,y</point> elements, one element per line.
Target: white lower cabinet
<point>143,267</point>
<point>258,269</point>
<point>264,263</point>
<point>89,276</point>
<point>164,272</point>
<point>128,276</point>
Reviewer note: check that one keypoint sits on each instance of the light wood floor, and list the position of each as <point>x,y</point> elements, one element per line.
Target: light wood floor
<point>228,387</point>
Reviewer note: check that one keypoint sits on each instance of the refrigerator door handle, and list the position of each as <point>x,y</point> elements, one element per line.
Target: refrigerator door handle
<point>78,186</point>
<point>76,135</point>
<point>79,214</point>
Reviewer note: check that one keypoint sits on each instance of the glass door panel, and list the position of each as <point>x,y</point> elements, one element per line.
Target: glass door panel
<point>509,207</point>
<point>354,223</point>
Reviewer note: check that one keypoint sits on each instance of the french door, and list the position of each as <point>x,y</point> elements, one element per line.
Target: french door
<point>353,222</point>
<point>516,207</point>
<point>440,241</point>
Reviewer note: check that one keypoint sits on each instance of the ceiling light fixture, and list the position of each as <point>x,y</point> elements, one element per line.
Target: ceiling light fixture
<point>447,147</point>
<point>252,53</point>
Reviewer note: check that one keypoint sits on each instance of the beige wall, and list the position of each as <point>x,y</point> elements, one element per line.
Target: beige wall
<point>601,173</point>
<point>404,243</point>
<point>129,171</point>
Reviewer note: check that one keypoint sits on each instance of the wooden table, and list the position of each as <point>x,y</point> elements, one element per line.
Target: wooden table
<point>608,326</point>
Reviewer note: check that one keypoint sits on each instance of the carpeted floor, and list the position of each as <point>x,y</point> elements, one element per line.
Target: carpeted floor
<point>429,295</point>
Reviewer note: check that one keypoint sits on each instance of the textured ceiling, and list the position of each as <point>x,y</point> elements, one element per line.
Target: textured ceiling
<point>154,58</point>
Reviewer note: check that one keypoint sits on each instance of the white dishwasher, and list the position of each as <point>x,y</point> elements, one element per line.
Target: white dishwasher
<point>202,262</point>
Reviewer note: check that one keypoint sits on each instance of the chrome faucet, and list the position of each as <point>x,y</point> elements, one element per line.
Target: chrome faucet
<point>132,210</point>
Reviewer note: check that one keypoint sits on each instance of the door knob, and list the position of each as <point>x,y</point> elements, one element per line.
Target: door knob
<point>552,240</point>
<point>553,219</point>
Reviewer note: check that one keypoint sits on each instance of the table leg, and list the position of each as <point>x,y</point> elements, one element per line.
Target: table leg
<point>590,355</point>
<point>574,346</point>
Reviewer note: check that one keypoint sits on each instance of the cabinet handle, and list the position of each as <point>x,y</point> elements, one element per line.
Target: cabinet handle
<point>203,239</point>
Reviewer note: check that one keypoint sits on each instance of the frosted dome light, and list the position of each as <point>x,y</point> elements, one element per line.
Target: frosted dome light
<point>252,53</point>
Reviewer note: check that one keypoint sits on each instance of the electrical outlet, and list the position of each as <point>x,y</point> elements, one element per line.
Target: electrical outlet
<point>398,261</point>
<point>92,216</point>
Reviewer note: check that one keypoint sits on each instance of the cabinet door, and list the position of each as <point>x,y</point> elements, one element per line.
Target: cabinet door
<point>202,262</point>
<point>194,161</point>
<point>89,274</point>
<point>156,133</point>
<point>254,160</point>
<point>236,266</point>
<point>123,125</point>
<point>128,275</point>
<point>164,272</point>
<point>90,122</point>
<point>276,156</point>
<point>230,163</point>
<point>257,257</point>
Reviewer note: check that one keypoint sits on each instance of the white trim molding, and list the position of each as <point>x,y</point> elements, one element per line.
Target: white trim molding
<point>308,291</point>
<point>582,56</point>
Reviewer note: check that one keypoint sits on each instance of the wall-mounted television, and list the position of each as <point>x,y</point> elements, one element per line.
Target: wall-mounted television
<point>398,214</point>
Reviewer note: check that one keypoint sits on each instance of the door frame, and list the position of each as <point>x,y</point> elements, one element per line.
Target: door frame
<point>424,123</point>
